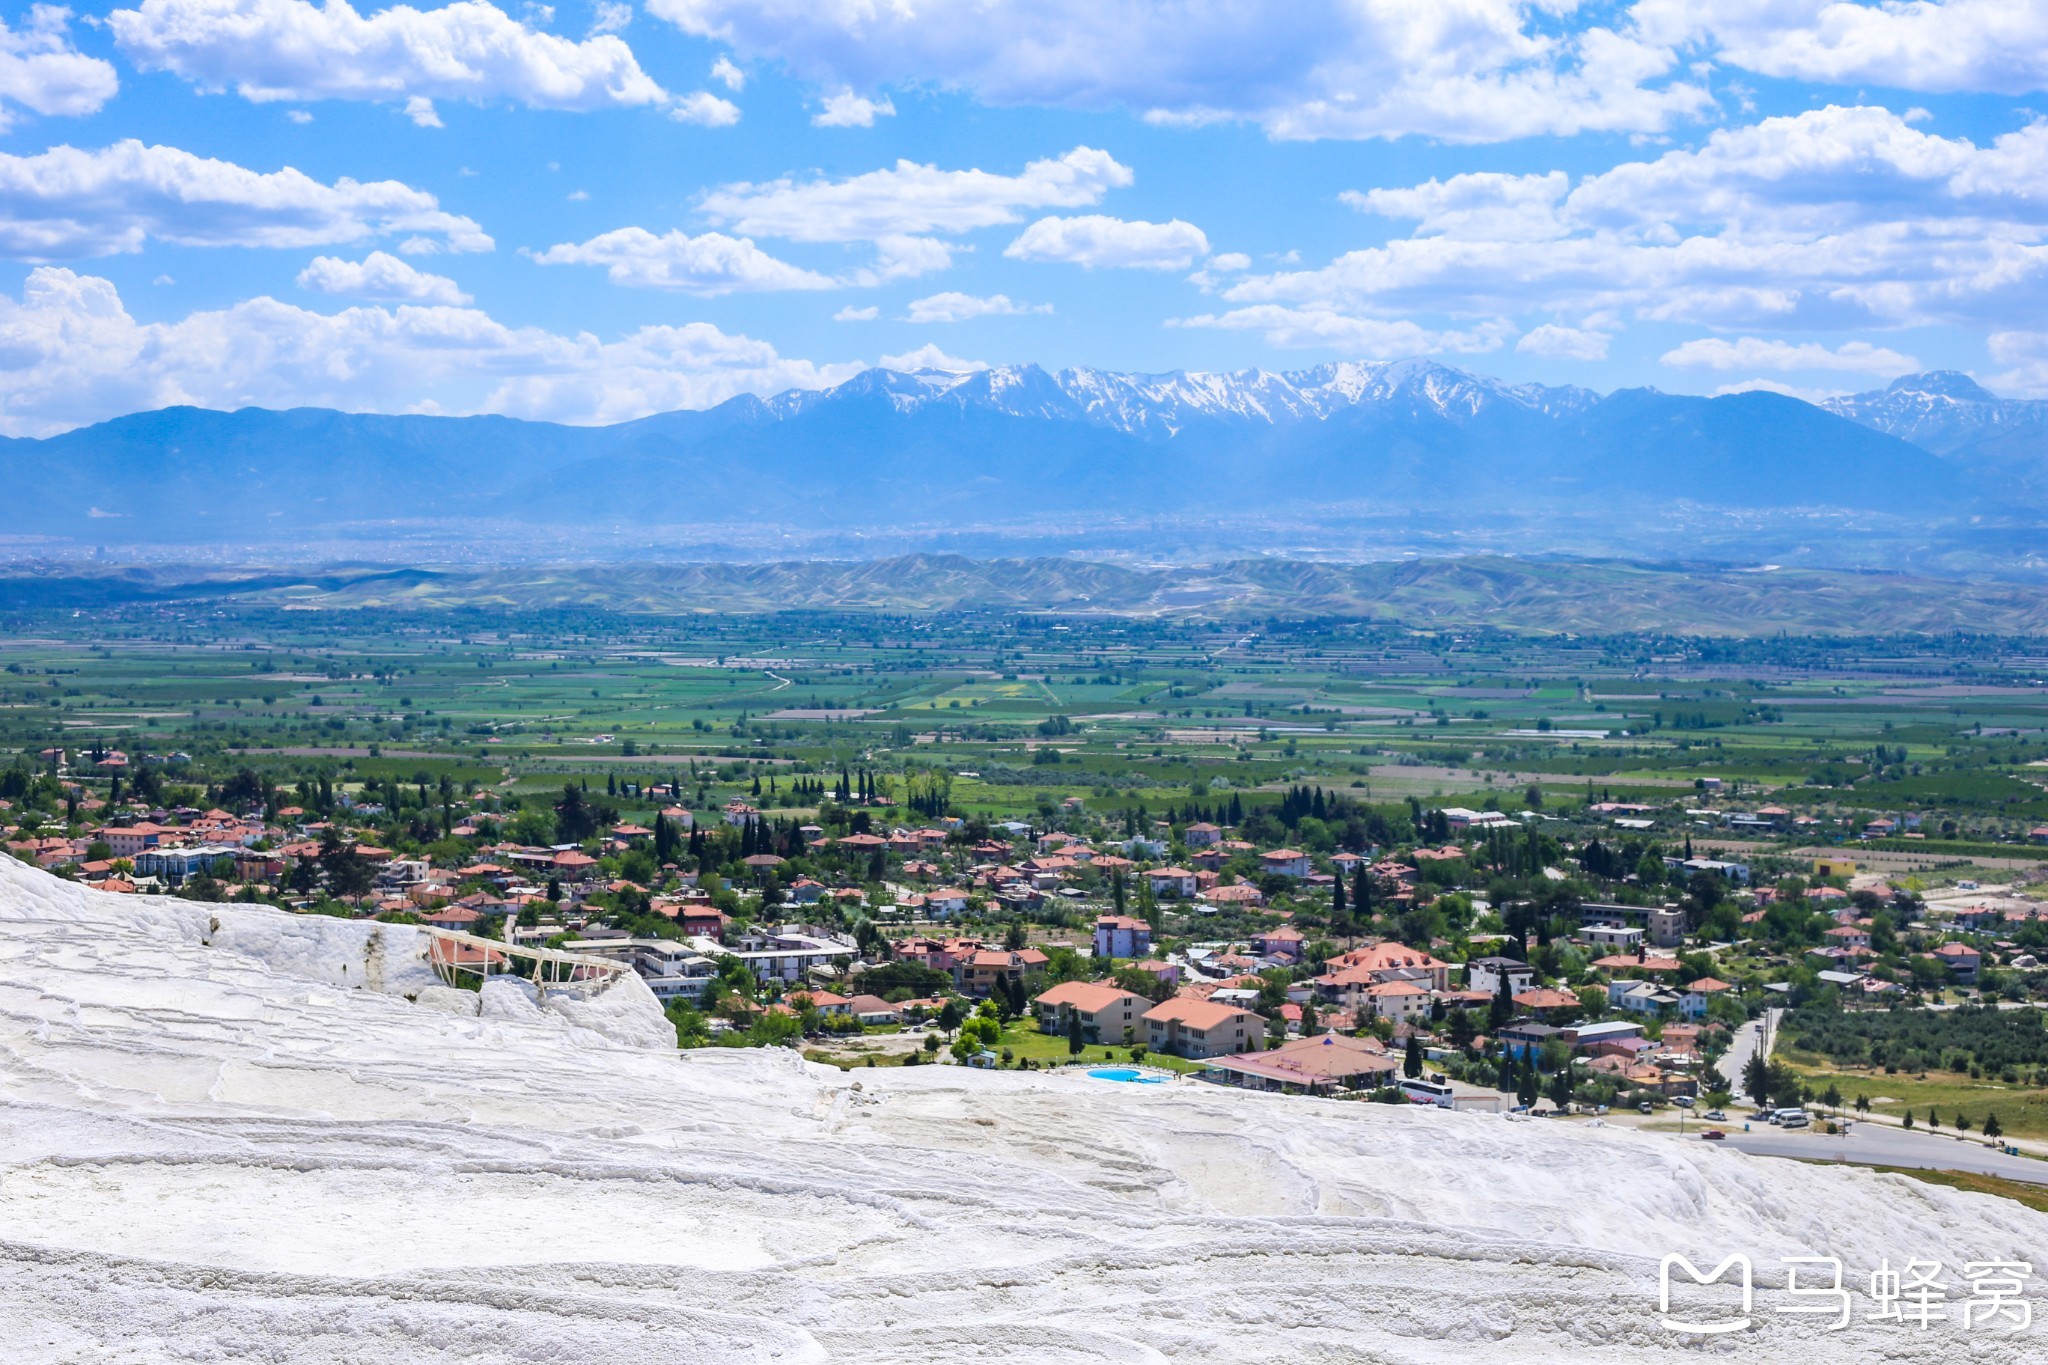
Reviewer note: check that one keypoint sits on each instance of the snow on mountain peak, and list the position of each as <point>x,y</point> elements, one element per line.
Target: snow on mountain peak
<point>1166,403</point>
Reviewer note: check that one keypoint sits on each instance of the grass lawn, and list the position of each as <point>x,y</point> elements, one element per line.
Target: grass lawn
<point>2022,1109</point>
<point>1024,1039</point>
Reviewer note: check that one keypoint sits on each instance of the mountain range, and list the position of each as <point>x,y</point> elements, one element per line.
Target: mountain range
<point>1022,446</point>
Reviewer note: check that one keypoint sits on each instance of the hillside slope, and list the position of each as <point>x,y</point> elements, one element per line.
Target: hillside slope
<point>1547,595</point>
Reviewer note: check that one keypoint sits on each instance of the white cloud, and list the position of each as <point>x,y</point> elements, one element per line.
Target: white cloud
<point>953,306</point>
<point>930,357</point>
<point>913,200</point>
<point>852,314</point>
<point>1370,337</point>
<point>728,75</point>
<point>421,111</point>
<point>298,116</point>
<point>844,109</point>
<point>1757,353</point>
<point>611,17</point>
<point>1481,204</point>
<point>2026,353</point>
<point>706,265</point>
<point>1458,70</point>
<point>381,277</point>
<point>293,50</point>
<point>706,110</point>
<point>1833,219</point>
<point>1803,393</point>
<point>66,203</point>
<point>899,209</point>
<point>70,354</point>
<point>1096,239</point>
<point>1564,343</point>
<point>1957,45</point>
<point>42,72</point>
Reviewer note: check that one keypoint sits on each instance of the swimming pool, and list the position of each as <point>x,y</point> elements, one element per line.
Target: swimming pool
<point>1126,1073</point>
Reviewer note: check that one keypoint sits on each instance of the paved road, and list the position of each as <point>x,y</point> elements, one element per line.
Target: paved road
<point>1876,1144</point>
<point>1744,1042</point>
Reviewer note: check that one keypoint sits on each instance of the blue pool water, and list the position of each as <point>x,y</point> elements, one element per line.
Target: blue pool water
<point>1125,1073</point>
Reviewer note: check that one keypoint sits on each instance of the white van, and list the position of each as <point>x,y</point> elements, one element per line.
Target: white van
<point>1792,1118</point>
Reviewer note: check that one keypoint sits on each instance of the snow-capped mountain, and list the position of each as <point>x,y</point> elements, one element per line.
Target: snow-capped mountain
<point>1946,412</point>
<point>1166,404</point>
<point>948,449</point>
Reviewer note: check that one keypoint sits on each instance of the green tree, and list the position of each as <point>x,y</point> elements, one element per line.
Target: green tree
<point>1074,1040</point>
<point>1756,1079</point>
<point>1411,1060</point>
<point>1992,1128</point>
<point>1561,1087</point>
<point>1502,1008</point>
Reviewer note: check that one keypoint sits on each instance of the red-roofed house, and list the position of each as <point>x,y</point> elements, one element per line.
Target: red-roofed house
<point>1202,1028</point>
<point>1107,1013</point>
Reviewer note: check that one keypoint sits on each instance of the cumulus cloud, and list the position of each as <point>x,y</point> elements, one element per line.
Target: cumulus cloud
<point>71,354</point>
<point>1096,239</point>
<point>707,265</point>
<point>1804,393</point>
<point>293,50</point>
<point>66,203</point>
<point>42,72</point>
<point>953,306</point>
<point>611,16</point>
<point>1833,219</point>
<point>904,210</point>
<point>1459,70</point>
<point>1757,353</point>
<point>844,109</point>
<point>930,357</point>
<point>2025,353</point>
<point>1370,337</point>
<point>852,314</point>
<point>1955,45</point>
<point>1564,343</point>
<point>912,200</point>
<point>728,75</point>
<point>379,276</point>
<point>1487,205</point>
<point>705,109</point>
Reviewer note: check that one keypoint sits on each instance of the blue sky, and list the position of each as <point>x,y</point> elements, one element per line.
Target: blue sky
<point>588,212</point>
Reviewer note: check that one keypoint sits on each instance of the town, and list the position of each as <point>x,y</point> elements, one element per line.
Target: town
<point>1586,949</point>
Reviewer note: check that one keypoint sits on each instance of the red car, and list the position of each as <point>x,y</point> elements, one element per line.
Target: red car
<point>1712,1135</point>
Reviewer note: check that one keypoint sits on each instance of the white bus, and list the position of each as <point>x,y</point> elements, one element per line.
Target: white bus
<point>1427,1090</point>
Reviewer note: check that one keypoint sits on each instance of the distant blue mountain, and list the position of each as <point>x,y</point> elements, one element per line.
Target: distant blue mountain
<point>938,448</point>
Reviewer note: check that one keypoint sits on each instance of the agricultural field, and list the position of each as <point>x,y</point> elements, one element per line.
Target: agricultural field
<point>1021,712</point>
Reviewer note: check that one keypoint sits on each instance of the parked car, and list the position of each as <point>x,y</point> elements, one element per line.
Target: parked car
<point>1712,1135</point>
<point>1682,1101</point>
<point>1716,1116</point>
<point>1646,1106</point>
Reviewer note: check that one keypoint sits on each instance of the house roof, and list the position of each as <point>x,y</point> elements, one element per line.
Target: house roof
<point>1192,1013</point>
<point>1089,997</point>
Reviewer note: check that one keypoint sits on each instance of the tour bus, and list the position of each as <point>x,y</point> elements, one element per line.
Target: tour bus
<point>1427,1090</point>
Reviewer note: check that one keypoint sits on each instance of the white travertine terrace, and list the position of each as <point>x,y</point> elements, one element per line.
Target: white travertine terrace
<point>231,1134</point>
